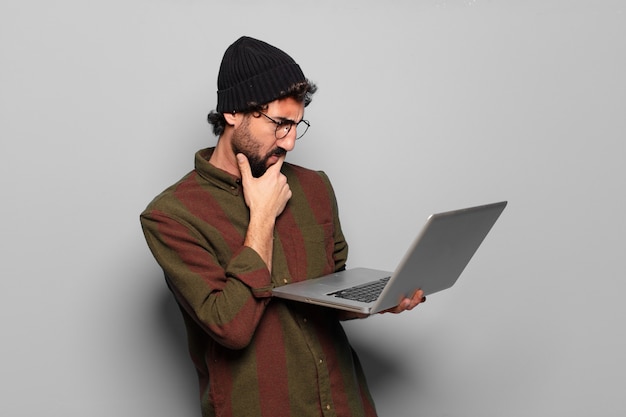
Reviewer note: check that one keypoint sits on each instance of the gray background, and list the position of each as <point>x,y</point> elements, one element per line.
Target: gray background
<point>423,106</point>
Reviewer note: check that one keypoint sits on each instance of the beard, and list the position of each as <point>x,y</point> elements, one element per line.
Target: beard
<point>243,142</point>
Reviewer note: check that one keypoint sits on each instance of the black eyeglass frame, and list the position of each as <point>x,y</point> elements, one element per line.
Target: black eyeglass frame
<point>287,125</point>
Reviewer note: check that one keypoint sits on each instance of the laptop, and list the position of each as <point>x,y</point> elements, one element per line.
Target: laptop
<point>433,263</point>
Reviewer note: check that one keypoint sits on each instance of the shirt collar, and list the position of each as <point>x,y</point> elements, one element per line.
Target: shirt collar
<point>214,175</point>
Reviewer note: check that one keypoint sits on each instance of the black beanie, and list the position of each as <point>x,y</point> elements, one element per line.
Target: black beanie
<point>253,71</point>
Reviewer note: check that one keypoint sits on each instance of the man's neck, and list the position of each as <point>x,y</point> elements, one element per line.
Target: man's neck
<point>224,158</point>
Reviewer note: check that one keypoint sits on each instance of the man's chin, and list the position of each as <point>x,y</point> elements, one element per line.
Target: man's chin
<point>258,167</point>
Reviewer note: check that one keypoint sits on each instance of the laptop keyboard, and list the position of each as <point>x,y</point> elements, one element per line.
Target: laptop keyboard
<point>365,293</point>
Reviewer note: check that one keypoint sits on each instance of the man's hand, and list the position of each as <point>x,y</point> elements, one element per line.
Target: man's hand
<point>266,197</point>
<point>407,303</point>
<point>404,305</point>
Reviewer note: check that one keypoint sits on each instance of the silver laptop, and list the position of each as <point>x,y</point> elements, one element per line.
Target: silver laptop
<point>433,263</point>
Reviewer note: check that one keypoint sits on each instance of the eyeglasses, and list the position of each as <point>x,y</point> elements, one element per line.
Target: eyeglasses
<point>283,127</point>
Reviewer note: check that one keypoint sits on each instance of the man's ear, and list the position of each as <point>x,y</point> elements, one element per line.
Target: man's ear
<point>231,118</point>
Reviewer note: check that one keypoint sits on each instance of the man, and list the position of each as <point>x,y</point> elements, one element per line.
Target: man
<point>244,221</point>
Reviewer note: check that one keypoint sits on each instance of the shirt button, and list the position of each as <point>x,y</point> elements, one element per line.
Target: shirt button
<point>328,406</point>
<point>304,320</point>
<point>321,361</point>
<point>285,280</point>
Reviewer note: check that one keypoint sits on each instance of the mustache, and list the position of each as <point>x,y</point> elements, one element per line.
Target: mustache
<point>277,152</point>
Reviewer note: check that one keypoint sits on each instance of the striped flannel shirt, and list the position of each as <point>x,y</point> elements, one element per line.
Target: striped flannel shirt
<point>256,355</point>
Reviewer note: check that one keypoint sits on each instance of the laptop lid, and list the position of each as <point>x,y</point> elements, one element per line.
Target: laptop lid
<point>433,262</point>
<point>440,253</point>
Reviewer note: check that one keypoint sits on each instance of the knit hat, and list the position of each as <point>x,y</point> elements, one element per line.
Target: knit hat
<point>254,71</point>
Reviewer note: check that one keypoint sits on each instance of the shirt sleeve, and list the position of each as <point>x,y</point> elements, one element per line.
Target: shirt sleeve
<point>228,301</point>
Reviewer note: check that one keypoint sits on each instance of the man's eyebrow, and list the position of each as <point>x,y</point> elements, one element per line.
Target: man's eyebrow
<point>286,120</point>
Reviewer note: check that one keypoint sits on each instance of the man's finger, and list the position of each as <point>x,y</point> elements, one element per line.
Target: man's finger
<point>244,166</point>
<point>278,163</point>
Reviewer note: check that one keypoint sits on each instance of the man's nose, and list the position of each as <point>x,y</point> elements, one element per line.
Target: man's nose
<point>289,141</point>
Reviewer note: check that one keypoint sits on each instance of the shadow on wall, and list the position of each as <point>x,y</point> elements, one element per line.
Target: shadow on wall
<point>382,370</point>
<point>172,334</point>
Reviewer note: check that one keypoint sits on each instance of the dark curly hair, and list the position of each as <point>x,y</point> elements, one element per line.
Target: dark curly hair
<point>302,92</point>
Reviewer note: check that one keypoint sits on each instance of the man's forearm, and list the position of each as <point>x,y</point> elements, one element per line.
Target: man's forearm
<point>260,238</point>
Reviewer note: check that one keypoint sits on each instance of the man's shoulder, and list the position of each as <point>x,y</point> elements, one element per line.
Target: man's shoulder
<point>302,172</point>
<point>173,194</point>
<point>314,183</point>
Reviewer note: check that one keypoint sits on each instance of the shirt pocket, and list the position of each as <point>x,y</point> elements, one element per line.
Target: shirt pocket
<point>318,250</point>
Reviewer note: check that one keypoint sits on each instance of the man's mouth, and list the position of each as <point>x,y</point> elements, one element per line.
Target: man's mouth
<point>279,152</point>
<point>275,155</point>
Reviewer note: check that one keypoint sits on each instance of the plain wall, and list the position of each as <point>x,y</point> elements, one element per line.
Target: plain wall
<point>423,106</point>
